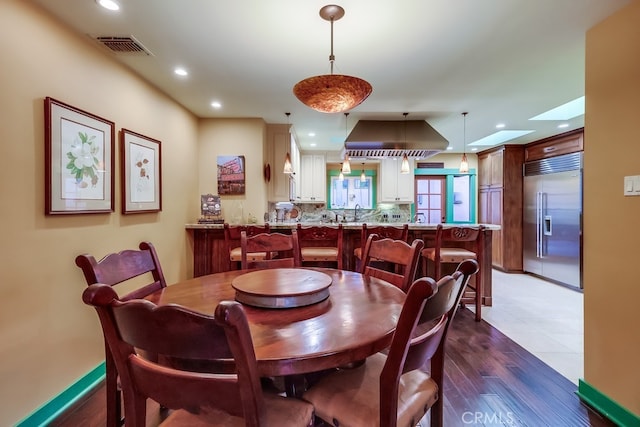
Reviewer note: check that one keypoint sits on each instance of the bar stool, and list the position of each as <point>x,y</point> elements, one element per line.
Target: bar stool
<point>452,246</point>
<point>232,235</point>
<point>320,245</point>
<point>384,232</point>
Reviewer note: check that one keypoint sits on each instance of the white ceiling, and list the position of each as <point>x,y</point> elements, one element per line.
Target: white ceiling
<point>503,61</point>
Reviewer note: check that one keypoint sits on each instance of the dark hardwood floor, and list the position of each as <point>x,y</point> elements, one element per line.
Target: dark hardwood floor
<point>490,381</point>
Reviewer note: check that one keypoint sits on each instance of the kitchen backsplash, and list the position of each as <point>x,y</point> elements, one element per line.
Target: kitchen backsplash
<point>319,213</point>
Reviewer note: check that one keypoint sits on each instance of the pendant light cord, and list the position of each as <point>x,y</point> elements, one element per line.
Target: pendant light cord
<point>464,132</point>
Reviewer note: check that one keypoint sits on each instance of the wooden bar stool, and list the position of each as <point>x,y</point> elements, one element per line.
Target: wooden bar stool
<point>384,232</point>
<point>320,245</point>
<point>452,246</point>
<point>232,242</point>
<point>280,250</point>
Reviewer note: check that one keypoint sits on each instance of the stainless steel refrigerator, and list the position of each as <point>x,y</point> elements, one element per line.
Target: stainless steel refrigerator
<point>552,234</point>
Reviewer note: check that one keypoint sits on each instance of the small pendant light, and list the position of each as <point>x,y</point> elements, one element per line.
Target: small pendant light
<point>346,166</point>
<point>363,177</point>
<point>405,168</point>
<point>464,163</point>
<point>341,175</point>
<point>288,167</point>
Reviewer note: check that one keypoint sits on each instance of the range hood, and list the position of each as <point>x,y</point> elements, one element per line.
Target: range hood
<point>393,138</point>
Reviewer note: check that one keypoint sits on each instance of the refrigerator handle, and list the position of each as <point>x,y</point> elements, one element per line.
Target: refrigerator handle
<point>538,224</point>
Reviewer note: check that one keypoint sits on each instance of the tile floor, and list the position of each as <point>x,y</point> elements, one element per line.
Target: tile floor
<point>544,318</point>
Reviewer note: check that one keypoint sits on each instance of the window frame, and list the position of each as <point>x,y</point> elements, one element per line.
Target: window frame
<point>370,173</point>
<point>449,174</point>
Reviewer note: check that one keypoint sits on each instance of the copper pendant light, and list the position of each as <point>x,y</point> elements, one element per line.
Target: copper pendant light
<point>332,93</point>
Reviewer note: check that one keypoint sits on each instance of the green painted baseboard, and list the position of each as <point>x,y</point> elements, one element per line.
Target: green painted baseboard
<point>53,408</point>
<point>607,407</point>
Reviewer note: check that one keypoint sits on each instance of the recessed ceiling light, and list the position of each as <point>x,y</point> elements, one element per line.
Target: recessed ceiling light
<point>181,71</point>
<point>449,148</point>
<point>109,4</point>
<point>217,105</point>
<point>500,126</point>
<point>312,134</point>
<point>566,111</point>
<point>474,149</point>
<point>313,144</point>
<point>563,125</point>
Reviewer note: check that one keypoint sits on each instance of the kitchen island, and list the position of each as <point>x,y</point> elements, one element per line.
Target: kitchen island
<point>210,254</point>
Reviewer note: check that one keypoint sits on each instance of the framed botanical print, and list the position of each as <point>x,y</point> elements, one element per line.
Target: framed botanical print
<point>78,160</point>
<point>141,173</point>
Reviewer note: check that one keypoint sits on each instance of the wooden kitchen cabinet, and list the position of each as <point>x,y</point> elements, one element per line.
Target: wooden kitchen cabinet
<point>312,179</point>
<point>500,202</point>
<point>393,186</point>
<point>570,142</point>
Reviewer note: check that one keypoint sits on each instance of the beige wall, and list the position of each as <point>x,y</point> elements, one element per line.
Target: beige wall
<point>227,137</point>
<point>452,161</point>
<point>48,337</point>
<point>611,232</point>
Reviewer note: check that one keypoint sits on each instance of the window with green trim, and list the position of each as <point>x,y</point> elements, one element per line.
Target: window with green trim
<point>351,190</point>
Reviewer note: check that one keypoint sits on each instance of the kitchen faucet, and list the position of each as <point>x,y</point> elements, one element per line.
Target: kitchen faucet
<point>355,212</point>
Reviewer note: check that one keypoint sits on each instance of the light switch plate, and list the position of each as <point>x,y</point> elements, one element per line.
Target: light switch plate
<point>632,185</point>
<point>628,186</point>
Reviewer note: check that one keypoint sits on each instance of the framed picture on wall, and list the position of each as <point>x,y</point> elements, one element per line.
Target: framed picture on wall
<point>141,170</point>
<point>231,179</point>
<point>78,160</point>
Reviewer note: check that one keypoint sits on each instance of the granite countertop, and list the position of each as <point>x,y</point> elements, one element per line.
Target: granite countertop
<point>345,225</point>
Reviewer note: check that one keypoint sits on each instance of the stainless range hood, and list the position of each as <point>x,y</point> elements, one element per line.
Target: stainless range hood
<point>392,138</point>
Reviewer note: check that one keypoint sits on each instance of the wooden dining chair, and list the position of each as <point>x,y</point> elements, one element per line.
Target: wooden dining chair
<point>124,269</point>
<point>452,246</point>
<point>177,333</point>
<point>320,245</point>
<point>232,242</point>
<point>392,260</point>
<point>384,231</point>
<point>391,389</point>
<point>280,250</point>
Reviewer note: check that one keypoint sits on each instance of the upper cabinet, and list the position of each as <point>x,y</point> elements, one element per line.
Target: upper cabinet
<point>556,146</point>
<point>280,141</point>
<point>394,187</point>
<point>312,179</point>
<point>491,167</point>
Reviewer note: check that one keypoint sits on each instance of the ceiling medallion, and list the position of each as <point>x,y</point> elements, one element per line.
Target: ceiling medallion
<point>332,93</point>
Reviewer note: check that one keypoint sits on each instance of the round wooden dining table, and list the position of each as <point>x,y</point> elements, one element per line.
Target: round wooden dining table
<point>356,320</point>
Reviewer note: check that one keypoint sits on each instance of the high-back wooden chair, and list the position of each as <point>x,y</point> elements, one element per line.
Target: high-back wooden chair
<point>392,260</point>
<point>177,333</point>
<point>391,389</point>
<point>452,246</point>
<point>281,250</point>
<point>384,231</point>
<point>232,235</point>
<point>320,245</point>
<point>449,295</point>
<point>126,268</point>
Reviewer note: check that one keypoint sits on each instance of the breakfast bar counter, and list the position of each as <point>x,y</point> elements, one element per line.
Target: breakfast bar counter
<point>211,256</point>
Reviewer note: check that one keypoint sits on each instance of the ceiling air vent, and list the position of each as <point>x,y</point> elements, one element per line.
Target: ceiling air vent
<point>126,44</point>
